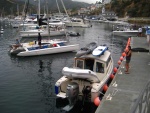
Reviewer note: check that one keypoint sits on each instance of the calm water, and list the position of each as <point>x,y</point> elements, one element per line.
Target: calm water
<point>27,83</point>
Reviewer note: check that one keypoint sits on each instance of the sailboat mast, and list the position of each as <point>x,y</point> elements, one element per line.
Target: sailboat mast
<point>58,7</point>
<point>18,9</point>
<point>39,8</point>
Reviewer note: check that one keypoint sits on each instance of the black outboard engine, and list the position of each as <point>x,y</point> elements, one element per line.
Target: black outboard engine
<point>72,93</point>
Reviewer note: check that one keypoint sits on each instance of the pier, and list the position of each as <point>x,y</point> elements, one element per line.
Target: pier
<point>130,93</point>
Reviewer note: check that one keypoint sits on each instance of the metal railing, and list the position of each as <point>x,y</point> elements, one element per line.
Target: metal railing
<point>142,104</point>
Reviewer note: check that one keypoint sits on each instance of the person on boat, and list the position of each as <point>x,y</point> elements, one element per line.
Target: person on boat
<point>128,58</point>
<point>17,44</point>
<point>140,32</point>
<point>39,39</point>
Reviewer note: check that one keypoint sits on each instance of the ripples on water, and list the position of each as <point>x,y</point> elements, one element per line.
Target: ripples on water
<point>27,83</point>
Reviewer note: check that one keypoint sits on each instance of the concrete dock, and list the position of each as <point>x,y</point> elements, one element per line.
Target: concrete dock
<point>125,89</point>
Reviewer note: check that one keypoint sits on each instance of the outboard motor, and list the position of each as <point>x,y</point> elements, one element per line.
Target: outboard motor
<point>72,93</point>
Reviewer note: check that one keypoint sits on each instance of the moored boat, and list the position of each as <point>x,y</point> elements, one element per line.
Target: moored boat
<point>86,50</point>
<point>126,33</point>
<point>87,77</point>
<point>77,22</point>
<point>71,33</point>
<point>47,47</point>
<point>125,30</point>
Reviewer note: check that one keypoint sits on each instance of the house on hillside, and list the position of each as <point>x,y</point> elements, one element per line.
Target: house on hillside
<point>83,11</point>
<point>110,15</point>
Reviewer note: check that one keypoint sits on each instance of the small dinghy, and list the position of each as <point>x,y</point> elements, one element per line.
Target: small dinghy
<point>73,33</point>
<point>86,50</point>
<point>99,50</point>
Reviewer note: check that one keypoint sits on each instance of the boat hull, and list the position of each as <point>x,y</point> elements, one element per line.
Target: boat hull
<point>44,33</point>
<point>71,24</point>
<point>52,50</point>
<point>126,33</point>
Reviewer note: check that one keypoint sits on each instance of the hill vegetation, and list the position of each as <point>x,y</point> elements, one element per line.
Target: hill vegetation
<point>10,6</point>
<point>131,8</point>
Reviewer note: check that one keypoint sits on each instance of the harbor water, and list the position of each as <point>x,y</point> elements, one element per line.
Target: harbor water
<point>27,83</point>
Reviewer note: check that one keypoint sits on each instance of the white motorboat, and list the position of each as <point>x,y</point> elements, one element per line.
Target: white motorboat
<point>77,22</point>
<point>126,33</point>
<point>47,47</point>
<point>87,77</point>
<point>32,31</point>
<point>72,33</point>
<point>125,30</point>
<point>55,29</point>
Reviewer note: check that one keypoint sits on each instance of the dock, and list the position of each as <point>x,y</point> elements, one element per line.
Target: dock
<point>128,91</point>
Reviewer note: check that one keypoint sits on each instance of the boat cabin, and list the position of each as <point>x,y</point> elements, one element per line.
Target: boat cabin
<point>77,20</point>
<point>99,64</point>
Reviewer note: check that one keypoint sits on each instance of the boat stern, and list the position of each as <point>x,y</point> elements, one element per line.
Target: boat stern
<point>61,87</point>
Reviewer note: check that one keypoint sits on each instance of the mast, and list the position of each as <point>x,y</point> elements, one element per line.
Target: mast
<point>18,9</point>
<point>47,18</point>
<point>25,10</point>
<point>39,8</point>
<point>58,7</point>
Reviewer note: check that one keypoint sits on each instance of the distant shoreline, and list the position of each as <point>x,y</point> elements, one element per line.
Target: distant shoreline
<point>142,20</point>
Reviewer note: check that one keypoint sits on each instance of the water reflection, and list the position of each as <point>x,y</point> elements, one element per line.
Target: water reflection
<point>46,83</point>
<point>41,66</point>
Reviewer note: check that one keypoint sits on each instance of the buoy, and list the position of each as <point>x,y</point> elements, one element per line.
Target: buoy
<point>121,58</point>
<point>105,87</point>
<point>115,69</point>
<point>97,101</point>
<point>123,54</point>
<point>112,76</point>
<point>119,62</point>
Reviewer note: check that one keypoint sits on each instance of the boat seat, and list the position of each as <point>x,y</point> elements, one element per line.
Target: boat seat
<point>45,46</point>
<point>61,44</point>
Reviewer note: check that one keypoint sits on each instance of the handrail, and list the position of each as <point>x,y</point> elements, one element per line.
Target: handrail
<point>142,103</point>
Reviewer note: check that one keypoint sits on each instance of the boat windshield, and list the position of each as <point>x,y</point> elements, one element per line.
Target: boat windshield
<point>99,67</point>
<point>85,64</point>
<point>89,63</point>
<point>79,64</point>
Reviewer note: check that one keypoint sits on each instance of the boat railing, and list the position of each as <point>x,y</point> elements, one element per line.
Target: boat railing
<point>142,104</point>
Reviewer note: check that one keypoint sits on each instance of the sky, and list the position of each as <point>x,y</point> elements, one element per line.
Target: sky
<point>87,1</point>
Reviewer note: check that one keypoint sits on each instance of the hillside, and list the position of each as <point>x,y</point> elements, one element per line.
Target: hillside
<point>131,8</point>
<point>10,6</point>
<point>69,4</point>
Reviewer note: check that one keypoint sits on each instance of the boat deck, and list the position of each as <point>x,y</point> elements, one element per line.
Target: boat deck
<point>125,88</point>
